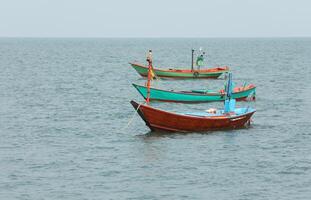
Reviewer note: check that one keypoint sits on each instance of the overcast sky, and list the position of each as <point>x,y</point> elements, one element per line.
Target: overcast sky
<point>157,18</point>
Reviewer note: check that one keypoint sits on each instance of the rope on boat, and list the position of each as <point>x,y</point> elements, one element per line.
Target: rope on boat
<point>131,119</point>
<point>156,81</point>
<point>157,77</point>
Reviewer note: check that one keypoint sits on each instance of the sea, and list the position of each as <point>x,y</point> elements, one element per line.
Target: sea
<point>68,131</point>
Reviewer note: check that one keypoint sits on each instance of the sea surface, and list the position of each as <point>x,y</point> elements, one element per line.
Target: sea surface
<point>68,131</point>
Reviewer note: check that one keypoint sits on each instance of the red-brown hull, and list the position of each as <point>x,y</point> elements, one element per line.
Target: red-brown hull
<point>167,121</point>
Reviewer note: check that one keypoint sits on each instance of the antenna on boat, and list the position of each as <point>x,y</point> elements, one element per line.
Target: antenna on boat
<point>192,54</point>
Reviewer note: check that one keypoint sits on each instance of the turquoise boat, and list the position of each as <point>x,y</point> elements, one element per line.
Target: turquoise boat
<point>196,96</point>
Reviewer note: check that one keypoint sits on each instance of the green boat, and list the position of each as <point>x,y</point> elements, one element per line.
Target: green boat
<point>196,96</point>
<point>181,73</point>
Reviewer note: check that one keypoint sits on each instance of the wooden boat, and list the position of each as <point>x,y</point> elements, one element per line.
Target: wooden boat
<point>196,96</point>
<point>160,120</point>
<point>181,73</point>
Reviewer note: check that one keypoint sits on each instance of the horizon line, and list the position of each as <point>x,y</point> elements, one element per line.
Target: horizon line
<point>150,37</point>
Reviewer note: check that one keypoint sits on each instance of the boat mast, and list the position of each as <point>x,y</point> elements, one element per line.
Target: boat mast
<point>229,86</point>
<point>192,52</point>
<point>149,60</point>
<point>229,102</point>
<point>148,83</point>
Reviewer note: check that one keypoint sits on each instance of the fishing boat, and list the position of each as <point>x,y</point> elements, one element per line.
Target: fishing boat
<point>181,73</point>
<point>212,119</point>
<point>160,120</point>
<point>196,96</point>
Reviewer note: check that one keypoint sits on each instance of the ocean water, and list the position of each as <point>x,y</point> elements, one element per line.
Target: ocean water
<point>67,130</point>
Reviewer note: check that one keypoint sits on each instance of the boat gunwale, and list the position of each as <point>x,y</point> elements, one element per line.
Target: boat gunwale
<point>220,117</point>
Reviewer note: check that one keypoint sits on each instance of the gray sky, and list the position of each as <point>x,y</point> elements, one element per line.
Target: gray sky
<point>157,18</point>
